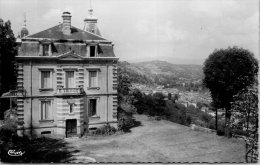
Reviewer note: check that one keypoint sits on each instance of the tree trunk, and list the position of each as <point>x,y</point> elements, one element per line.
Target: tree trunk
<point>227,124</point>
<point>216,119</point>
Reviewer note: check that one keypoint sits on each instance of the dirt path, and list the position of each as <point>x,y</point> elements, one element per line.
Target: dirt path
<point>158,141</point>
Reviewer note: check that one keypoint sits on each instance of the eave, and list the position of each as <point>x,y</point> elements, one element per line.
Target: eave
<point>57,58</point>
<point>67,40</point>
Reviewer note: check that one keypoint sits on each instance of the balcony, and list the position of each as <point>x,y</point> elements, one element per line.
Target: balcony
<point>70,91</point>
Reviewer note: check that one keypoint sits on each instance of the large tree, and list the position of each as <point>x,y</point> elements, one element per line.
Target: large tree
<point>226,72</point>
<point>8,52</point>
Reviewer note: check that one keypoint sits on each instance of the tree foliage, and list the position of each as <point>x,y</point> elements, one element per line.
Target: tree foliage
<point>244,120</point>
<point>228,71</point>
<point>8,71</point>
<point>125,99</point>
<point>7,54</point>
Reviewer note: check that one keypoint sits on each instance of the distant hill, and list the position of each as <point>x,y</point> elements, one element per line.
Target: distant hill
<point>160,72</point>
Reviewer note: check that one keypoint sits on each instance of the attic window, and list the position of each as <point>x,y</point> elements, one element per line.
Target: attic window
<point>92,51</point>
<point>45,50</point>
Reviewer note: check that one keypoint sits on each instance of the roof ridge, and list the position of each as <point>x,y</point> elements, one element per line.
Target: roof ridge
<point>55,32</point>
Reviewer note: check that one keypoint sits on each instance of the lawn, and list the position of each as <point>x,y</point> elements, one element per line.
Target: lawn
<point>149,141</point>
<point>157,141</point>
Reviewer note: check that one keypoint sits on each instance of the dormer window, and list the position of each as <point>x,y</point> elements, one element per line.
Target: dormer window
<point>45,48</point>
<point>92,50</point>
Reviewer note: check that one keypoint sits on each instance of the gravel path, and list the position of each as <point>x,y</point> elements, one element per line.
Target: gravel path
<point>158,141</point>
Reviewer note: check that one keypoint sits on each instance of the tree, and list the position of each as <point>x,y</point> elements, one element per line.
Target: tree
<point>244,120</point>
<point>8,52</point>
<point>228,71</point>
<point>125,101</point>
<point>124,85</point>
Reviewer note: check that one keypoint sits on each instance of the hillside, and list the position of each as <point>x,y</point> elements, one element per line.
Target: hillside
<point>161,72</point>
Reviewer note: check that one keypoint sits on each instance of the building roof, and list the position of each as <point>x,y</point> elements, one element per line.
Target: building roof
<point>56,33</point>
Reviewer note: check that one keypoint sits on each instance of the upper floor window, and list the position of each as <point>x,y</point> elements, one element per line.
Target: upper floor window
<point>71,107</point>
<point>93,79</point>
<point>70,81</point>
<point>46,79</point>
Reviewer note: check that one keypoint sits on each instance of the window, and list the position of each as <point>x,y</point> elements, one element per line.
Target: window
<point>92,52</point>
<point>46,112</point>
<point>46,79</point>
<point>92,107</point>
<point>45,50</point>
<point>93,79</point>
<point>70,79</point>
<point>71,107</point>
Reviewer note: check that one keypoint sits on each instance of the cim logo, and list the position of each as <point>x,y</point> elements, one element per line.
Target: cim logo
<point>15,153</point>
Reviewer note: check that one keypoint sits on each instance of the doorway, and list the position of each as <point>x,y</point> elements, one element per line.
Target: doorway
<point>71,127</point>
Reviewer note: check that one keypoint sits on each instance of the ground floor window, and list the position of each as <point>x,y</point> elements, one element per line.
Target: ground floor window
<point>46,110</point>
<point>92,107</point>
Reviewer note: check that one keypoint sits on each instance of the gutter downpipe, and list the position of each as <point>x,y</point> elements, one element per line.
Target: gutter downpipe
<point>107,94</point>
<point>31,99</point>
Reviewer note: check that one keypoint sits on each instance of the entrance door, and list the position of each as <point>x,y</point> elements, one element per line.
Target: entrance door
<point>71,127</point>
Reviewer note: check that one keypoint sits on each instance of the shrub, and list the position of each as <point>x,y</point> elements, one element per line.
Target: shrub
<point>125,118</point>
<point>105,130</point>
<point>239,132</point>
<point>200,123</point>
<point>212,124</point>
<point>221,128</point>
<point>205,117</point>
<point>8,130</point>
<point>188,120</point>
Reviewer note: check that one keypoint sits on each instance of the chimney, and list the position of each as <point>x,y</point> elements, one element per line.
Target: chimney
<point>66,23</point>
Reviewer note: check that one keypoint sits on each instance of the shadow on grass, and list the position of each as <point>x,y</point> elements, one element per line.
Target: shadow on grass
<point>135,124</point>
<point>39,150</point>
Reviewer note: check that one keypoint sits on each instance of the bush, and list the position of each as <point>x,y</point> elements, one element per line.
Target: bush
<point>188,120</point>
<point>205,117</point>
<point>8,130</point>
<point>105,130</point>
<point>239,132</point>
<point>212,124</point>
<point>221,128</point>
<point>125,118</point>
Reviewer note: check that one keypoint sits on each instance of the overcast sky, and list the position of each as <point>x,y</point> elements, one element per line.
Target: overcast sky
<point>179,31</point>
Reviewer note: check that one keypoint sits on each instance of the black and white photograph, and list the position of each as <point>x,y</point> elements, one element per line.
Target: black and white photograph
<point>129,81</point>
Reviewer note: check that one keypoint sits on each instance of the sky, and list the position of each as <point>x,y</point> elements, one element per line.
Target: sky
<point>177,31</point>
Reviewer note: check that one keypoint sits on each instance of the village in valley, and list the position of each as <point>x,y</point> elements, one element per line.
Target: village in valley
<point>128,82</point>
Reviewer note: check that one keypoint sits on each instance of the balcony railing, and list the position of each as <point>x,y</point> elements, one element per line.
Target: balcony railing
<point>70,91</point>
